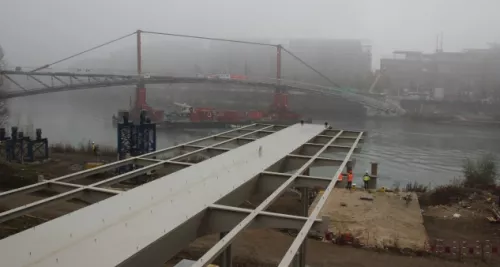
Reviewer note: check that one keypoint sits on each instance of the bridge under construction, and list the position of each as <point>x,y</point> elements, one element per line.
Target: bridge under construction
<point>149,224</point>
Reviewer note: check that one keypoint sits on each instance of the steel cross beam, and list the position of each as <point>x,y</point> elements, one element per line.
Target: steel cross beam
<point>112,166</point>
<point>151,204</point>
<point>213,252</point>
<point>292,251</point>
<point>77,190</point>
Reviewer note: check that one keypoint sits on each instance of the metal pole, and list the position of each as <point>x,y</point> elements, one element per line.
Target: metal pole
<point>373,175</point>
<point>139,101</point>
<point>139,53</point>
<point>305,213</point>
<point>278,64</point>
<point>226,256</point>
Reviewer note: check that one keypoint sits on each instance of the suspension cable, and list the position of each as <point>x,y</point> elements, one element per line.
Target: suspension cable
<point>88,50</point>
<point>310,67</point>
<point>209,38</point>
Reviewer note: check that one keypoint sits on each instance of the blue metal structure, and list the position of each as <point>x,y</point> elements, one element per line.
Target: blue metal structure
<point>38,149</point>
<point>20,148</point>
<point>135,139</point>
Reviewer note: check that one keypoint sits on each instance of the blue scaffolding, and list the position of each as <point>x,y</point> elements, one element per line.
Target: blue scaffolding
<point>135,139</point>
<point>20,148</point>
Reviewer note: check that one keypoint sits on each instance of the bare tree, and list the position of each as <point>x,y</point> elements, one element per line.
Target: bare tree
<point>4,113</point>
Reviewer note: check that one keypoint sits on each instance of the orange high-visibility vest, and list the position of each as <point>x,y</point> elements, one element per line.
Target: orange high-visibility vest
<point>349,177</point>
<point>341,177</point>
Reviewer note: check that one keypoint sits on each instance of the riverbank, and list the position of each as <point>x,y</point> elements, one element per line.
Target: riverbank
<point>62,161</point>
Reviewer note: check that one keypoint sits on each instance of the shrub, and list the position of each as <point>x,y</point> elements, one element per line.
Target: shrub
<point>81,148</point>
<point>416,187</point>
<point>447,194</point>
<point>480,173</point>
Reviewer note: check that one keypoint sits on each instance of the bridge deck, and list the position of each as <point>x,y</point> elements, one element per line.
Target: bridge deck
<point>150,223</point>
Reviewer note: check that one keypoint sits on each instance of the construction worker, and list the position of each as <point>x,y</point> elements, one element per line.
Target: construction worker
<point>366,179</point>
<point>349,180</point>
<point>341,177</point>
<point>95,149</point>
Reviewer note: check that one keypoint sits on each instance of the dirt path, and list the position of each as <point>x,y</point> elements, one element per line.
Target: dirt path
<point>262,247</point>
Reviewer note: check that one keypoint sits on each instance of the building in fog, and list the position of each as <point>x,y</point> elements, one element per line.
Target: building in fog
<point>237,58</point>
<point>467,75</point>
<point>347,62</point>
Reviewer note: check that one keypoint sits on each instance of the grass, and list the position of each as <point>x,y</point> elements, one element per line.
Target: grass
<point>480,173</point>
<point>81,149</point>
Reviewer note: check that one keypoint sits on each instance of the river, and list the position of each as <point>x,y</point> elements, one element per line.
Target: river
<point>406,151</point>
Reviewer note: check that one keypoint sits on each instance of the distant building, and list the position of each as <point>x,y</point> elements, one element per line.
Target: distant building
<point>471,74</point>
<point>347,62</point>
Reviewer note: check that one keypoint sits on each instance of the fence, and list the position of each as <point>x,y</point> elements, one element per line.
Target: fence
<point>487,250</point>
<point>461,250</point>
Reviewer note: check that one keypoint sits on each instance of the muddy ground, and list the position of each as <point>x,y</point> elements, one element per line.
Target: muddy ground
<point>59,164</point>
<point>266,247</point>
<point>441,222</point>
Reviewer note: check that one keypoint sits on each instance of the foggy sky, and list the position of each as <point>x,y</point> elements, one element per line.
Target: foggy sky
<point>35,32</point>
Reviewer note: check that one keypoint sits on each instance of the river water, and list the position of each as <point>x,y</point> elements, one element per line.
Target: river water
<point>406,151</point>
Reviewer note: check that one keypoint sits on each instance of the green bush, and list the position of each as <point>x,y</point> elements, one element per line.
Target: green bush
<point>480,173</point>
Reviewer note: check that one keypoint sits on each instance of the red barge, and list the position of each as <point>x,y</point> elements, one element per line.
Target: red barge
<point>188,117</point>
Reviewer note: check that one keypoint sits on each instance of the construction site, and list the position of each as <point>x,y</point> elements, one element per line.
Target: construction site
<point>248,196</point>
<point>244,197</point>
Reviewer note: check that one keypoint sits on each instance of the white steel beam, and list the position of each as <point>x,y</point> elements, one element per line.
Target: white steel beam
<point>147,225</point>
<point>213,252</point>
<point>323,139</point>
<point>272,180</point>
<point>292,251</point>
<point>83,192</point>
<point>221,218</point>
<point>109,166</point>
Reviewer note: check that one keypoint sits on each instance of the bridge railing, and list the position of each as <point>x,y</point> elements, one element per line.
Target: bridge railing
<point>129,78</point>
